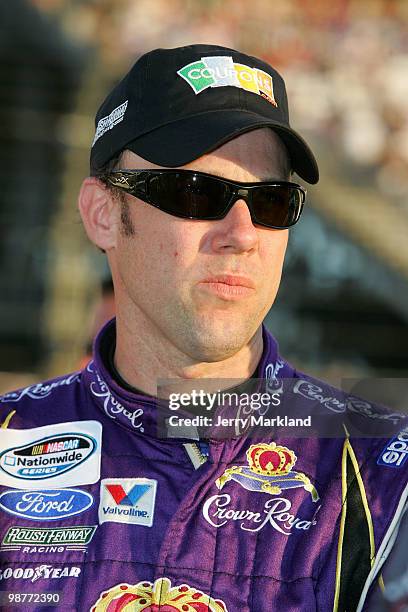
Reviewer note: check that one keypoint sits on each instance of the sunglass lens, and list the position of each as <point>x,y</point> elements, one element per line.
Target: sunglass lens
<point>277,206</point>
<point>192,196</point>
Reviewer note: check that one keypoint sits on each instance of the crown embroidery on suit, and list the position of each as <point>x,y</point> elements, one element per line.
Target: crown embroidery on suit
<point>154,597</point>
<point>269,470</point>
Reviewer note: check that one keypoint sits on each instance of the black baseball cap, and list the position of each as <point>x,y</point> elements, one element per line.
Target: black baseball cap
<point>175,105</point>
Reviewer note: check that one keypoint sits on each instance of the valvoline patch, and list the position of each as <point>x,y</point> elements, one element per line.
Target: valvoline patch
<point>128,500</point>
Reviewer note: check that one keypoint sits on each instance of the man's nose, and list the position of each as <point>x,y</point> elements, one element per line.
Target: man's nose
<point>235,232</point>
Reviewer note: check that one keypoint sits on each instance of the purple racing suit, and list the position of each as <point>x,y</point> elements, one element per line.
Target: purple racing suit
<point>98,512</point>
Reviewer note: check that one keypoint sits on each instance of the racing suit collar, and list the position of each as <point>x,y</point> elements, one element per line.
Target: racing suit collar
<point>138,412</point>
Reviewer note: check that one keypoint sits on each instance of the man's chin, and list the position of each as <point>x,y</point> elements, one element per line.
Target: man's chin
<point>212,343</point>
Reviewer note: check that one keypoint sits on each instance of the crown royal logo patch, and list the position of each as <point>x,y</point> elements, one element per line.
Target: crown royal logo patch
<point>220,71</point>
<point>269,471</point>
<point>158,596</point>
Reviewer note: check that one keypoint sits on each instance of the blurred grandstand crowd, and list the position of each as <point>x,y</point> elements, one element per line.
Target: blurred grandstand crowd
<point>345,63</point>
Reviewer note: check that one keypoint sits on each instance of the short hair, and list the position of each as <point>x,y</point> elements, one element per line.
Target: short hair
<point>114,163</point>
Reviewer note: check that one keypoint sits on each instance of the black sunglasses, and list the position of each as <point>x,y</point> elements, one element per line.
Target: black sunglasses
<point>196,195</point>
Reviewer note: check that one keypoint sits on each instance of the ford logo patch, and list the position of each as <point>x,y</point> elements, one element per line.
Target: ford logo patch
<point>49,505</point>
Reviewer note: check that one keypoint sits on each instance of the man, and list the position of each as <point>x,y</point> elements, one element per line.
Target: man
<point>191,198</point>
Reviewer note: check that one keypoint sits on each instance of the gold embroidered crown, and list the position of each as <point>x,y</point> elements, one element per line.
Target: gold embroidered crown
<point>270,459</point>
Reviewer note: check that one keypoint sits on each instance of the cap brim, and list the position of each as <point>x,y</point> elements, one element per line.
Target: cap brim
<point>178,143</point>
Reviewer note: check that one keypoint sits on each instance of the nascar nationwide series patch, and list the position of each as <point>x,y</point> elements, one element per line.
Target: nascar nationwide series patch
<point>53,456</point>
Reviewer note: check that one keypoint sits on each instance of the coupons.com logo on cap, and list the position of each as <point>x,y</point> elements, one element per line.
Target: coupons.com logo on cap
<point>128,500</point>
<point>220,71</point>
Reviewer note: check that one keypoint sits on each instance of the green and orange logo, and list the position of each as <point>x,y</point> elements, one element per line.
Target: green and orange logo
<point>220,71</point>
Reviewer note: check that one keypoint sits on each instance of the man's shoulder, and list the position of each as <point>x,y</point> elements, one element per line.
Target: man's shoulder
<point>353,399</point>
<point>375,431</point>
<point>23,407</point>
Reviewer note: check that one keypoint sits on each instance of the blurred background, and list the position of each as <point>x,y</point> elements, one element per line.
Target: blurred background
<point>343,305</point>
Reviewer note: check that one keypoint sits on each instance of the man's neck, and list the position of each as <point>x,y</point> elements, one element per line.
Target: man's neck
<point>143,359</point>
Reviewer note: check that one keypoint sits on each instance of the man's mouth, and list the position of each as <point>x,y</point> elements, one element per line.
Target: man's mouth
<point>228,286</point>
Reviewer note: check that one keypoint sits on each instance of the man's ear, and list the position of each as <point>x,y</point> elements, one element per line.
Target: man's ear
<point>99,213</point>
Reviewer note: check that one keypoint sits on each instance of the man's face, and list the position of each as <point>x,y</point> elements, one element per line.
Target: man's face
<point>203,286</point>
